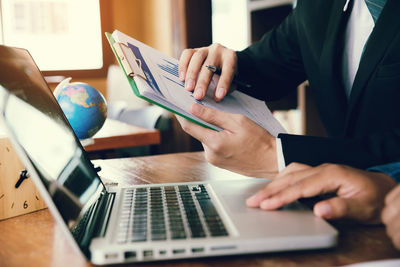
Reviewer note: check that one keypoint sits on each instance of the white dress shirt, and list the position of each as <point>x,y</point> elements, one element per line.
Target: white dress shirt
<point>358,30</point>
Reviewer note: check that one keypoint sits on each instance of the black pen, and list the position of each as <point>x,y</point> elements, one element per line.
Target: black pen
<point>217,70</point>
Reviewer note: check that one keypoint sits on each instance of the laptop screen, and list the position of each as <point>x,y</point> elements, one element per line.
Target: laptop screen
<point>38,125</point>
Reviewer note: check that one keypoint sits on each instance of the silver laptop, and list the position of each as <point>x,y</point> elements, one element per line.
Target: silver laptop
<point>145,222</point>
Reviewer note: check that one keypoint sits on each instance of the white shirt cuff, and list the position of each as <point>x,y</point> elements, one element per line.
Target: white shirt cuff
<point>279,155</point>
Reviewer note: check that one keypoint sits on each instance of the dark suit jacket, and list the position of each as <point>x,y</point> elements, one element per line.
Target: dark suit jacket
<point>363,130</point>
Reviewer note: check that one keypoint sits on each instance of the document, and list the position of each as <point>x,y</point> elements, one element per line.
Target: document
<point>154,77</point>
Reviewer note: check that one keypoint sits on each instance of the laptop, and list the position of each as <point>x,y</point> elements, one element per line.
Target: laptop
<point>145,222</point>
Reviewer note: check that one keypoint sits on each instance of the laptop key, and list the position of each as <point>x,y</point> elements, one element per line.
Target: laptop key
<point>178,235</point>
<point>219,233</point>
<point>198,234</point>
<point>139,238</point>
<point>159,237</point>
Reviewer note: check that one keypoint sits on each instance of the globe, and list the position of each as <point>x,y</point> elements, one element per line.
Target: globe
<point>84,107</point>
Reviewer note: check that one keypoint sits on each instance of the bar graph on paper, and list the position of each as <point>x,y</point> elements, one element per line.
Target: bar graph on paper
<point>171,68</point>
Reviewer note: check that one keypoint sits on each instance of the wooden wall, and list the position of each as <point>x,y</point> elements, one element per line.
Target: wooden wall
<point>148,21</point>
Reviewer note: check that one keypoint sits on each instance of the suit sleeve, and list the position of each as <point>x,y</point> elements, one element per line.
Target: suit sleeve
<point>391,169</point>
<point>362,153</point>
<point>273,65</point>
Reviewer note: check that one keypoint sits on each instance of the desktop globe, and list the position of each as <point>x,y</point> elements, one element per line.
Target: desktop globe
<point>84,107</point>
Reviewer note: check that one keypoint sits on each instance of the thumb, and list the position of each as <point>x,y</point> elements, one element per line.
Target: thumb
<point>333,208</point>
<point>336,208</point>
<point>213,116</point>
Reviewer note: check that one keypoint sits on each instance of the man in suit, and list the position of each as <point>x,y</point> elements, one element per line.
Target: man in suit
<point>350,53</point>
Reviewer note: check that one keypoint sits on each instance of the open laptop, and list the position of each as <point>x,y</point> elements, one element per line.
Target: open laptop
<point>144,222</point>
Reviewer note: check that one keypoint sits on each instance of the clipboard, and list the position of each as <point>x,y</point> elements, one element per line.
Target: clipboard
<point>129,58</point>
<point>121,54</point>
<point>125,58</point>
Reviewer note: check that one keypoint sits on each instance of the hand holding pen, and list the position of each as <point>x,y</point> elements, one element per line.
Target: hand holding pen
<point>197,77</point>
<point>217,70</point>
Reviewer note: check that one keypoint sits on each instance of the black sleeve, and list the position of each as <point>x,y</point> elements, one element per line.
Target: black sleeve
<point>273,65</point>
<point>371,150</point>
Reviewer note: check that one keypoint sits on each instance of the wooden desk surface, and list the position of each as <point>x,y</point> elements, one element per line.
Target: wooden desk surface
<point>116,134</point>
<point>35,240</point>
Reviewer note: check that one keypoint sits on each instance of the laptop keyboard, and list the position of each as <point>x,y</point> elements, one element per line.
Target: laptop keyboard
<point>168,213</point>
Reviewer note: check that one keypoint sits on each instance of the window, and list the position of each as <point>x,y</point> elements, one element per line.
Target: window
<point>60,34</point>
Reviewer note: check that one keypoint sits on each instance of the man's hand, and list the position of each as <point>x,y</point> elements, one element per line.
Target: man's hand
<point>243,146</point>
<point>359,194</point>
<point>391,216</point>
<point>197,77</point>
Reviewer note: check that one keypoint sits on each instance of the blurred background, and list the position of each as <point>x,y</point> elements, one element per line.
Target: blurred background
<point>66,39</point>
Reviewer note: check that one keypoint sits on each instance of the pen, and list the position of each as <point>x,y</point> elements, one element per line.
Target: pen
<point>217,70</point>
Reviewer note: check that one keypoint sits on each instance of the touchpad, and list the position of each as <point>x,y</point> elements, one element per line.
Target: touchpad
<point>236,203</point>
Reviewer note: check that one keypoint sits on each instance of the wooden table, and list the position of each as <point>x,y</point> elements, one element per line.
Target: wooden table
<point>115,134</point>
<point>35,240</point>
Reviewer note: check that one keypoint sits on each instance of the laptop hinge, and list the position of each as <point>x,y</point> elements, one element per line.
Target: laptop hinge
<point>102,215</point>
<point>98,222</point>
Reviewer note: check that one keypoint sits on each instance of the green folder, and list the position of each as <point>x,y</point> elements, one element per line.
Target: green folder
<point>137,93</point>
<point>128,57</point>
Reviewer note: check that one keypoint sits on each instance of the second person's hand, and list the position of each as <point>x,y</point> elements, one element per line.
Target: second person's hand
<point>359,194</point>
<point>192,69</point>
<point>391,215</point>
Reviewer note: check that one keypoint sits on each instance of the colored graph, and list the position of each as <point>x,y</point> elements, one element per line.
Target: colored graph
<point>169,67</point>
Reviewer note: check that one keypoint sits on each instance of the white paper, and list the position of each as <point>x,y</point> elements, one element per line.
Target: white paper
<point>164,87</point>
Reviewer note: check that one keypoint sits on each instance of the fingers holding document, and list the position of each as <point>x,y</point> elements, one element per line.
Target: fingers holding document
<point>243,146</point>
<point>192,69</point>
